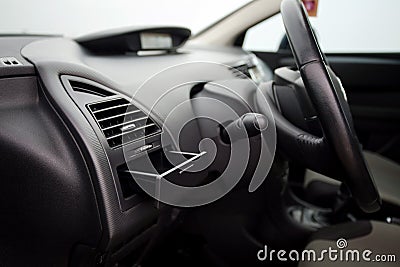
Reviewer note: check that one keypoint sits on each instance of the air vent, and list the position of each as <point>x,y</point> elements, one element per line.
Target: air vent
<point>121,122</point>
<point>241,71</point>
<point>10,61</point>
<point>89,89</point>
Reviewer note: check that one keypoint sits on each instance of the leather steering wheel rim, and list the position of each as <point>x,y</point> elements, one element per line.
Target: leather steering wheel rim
<point>336,123</point>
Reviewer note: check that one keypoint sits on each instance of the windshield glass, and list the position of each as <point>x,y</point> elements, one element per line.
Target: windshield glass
<point>74,18</point>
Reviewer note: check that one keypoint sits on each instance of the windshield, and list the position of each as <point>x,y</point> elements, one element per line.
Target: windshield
<point>74,18</point>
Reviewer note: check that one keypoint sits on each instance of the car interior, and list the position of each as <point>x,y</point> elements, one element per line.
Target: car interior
<point>153,146</point>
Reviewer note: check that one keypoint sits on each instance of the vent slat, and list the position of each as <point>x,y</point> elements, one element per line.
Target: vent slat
<point>125,123</point>
<point>110,108</point>
<point>103,105</point>
<point>119,115</point>
<point>121,122</point>
<point>131,131</point>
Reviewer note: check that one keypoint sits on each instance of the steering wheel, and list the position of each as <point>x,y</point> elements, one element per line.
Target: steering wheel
<point>328,99</point>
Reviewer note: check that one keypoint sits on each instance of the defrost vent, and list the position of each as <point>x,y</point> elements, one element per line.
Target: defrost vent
<point>89,89</point>
<point>121,122</point>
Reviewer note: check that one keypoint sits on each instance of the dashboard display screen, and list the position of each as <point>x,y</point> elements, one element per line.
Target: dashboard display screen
<point>155,41</point>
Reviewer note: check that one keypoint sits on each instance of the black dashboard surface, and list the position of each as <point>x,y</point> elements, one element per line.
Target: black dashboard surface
<point>48,59</point>
<point>126,71</point>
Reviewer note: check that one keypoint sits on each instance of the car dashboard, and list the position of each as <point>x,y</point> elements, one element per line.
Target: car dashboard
<point>64,112</point>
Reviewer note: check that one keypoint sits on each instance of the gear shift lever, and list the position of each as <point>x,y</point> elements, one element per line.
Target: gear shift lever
<point>342,205</point>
